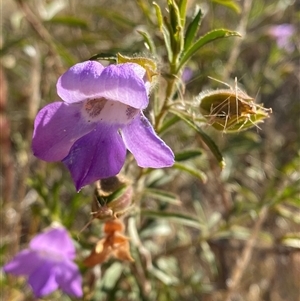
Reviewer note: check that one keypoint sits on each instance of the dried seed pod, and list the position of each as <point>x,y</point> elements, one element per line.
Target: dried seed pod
<point>231,110</point>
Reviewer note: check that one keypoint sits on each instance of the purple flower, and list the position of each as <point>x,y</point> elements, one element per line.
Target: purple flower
<point>283,33</point>
<point>187,74</point>
<point>100,116</point>
<point>48,264</point>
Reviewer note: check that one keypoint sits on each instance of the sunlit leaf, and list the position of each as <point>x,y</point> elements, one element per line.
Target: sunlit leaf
<point>167,124</point>
<point>68,21</point>
<point>162,195</point>
<point>187,154</point>
<point>191,170</point>
<point>164,31</point>
<point>148,40</point>
<point>176,217</point>
<point>207,38</point>
<point>291,240</point>
<point>230,4</point>
<point>192,30</point>
<point>206,139</point>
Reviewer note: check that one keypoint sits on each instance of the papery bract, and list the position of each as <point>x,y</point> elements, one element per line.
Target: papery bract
<point>114,244</point>
<point>48,263</point>
<point>100,116</point>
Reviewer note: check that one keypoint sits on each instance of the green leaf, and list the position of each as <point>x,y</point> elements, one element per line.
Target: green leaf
<point>148,40</point>
<point>230,4</point>
<point>182,8</point>
<point>192,30</point>
<point>65,55</point>
<point>191,170</point>
<point>180,218</point>
<point>9,45</point>
<point>167,124</point>
<point>175,18</point>
<point>104,57</point>
<point>163,277</point>
<point>68,21</point>
<point>187,154</point>
<point>176,28</point>
<point>205,138</point>
<point>114,16</point>
<point>291,240</point>
<point>162,195</point>
<point>164,31</point>
<point>159,16</point>
<point>207,38</point>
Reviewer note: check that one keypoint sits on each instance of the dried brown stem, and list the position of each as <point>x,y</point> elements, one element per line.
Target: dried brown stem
<point>243,261</point>
<point>33,105</point>
<point>242,29</point>
<point>42,32</point>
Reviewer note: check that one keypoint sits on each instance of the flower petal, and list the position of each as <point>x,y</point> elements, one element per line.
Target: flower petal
<point>42,280</point>
<point>69,278</point>
<point>90,80</point>
<point>80,82</point>
<point>148,149</point>
<point>56,127</point>
<point>24,263</point>
<point>121,83</point>
<point>100,154</point>
<point>56,240</point>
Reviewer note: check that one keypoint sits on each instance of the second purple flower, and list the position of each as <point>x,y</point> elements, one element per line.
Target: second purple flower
<point>100,117</point>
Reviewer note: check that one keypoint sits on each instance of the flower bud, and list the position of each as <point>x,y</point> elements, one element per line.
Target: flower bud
<point>231,111</point>
<point>113,198</point>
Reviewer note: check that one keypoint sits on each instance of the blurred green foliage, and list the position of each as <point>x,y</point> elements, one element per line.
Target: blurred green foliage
<point>198,232</point>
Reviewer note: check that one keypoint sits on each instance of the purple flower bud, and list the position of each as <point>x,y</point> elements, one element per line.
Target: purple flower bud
<point>48,263</point>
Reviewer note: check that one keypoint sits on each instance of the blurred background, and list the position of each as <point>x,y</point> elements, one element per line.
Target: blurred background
<point>237,237</point>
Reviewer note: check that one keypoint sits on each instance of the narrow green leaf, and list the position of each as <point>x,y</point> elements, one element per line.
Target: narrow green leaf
<point>159,16</point>
<point>163,277</point>
<point>65,55</point>
<point>230,4</point>
<point>162,195</point>
<point>114,16</point>
<point>104,57</point>
<point>291,240</point>
<point>187,154</point>
<point>68,21</point>
<point>205,138</point>
<point>176,27</point>
<point>174,15</point>
<point>148,40</point>
<point>192,171</point>
<point>9,45</point>
<point>164,31</point>
<point>182,8</point>
<point>180,218</point>
<point>168,124</point>
<point>207,38</point>
<point>192,30</point>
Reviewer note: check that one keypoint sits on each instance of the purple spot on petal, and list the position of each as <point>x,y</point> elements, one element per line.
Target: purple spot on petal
<point>94,106</point>
<point>130,112</point>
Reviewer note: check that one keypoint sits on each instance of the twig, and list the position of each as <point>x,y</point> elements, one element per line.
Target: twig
<point>242,28</point>
<point>33,105</point>
<point>243,261</point>
<point>43,33</point>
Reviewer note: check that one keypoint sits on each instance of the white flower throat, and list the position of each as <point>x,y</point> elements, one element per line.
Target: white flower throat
<point>109,111</point>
